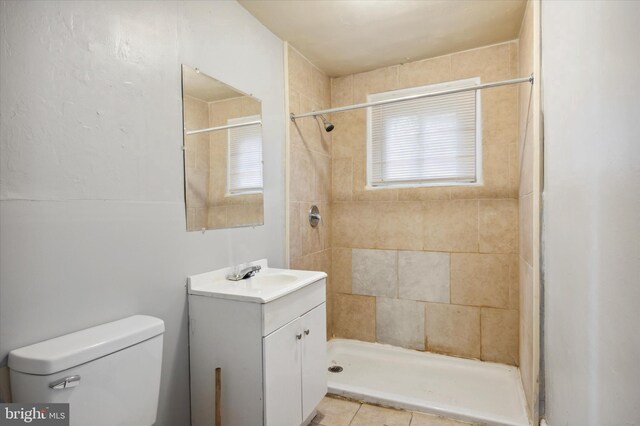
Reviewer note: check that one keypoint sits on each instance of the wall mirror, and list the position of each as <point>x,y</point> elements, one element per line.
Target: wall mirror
<point>222,154</point>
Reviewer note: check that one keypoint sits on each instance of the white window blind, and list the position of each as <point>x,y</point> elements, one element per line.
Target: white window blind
<point>244,166</point>
<point>428,141</point>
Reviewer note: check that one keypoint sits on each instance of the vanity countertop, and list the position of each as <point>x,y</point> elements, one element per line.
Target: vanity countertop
<point>267,285</point>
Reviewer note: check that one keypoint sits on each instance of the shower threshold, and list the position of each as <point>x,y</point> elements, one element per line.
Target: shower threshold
<point>463,389</point>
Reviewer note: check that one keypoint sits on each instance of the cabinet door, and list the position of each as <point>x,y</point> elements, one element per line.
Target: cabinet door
<point>282,381</point>
<point>314,358</point>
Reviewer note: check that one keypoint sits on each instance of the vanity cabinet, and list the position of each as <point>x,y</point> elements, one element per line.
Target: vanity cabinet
<point>270,349</point>
<point>295,368</point>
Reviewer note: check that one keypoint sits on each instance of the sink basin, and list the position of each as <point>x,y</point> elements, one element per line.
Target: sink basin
<point>271,279</point>
<point>267,285</point>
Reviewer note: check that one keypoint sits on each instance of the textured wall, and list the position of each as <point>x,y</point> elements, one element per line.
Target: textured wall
<point>591,235</point>
<point>432,268</point>
<point>92,214</point>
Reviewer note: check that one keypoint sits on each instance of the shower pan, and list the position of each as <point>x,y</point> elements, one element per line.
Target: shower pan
<point>464,389</point>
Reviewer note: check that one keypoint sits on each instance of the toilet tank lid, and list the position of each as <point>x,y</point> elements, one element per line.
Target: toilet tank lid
<point>86,345</point>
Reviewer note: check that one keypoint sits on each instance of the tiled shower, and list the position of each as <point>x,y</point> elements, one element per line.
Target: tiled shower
<point>434,268</point>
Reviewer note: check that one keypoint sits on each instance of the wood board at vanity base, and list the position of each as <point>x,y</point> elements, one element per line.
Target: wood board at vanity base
<point>240,338</point>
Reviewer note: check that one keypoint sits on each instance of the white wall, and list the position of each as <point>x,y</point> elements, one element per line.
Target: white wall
<point>92,222</point>
<point>591,234</point>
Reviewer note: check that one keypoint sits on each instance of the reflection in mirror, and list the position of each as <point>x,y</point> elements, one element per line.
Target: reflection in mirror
<point>223,154</point>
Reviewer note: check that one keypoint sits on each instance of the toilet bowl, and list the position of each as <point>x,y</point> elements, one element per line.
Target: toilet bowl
<point>109,374</point>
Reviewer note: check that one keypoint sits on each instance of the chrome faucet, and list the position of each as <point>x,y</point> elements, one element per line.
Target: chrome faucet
<point>247,272</point>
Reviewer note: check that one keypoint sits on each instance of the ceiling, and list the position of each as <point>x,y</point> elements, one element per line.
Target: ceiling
<point>200,86</point>
<point>349,36</point>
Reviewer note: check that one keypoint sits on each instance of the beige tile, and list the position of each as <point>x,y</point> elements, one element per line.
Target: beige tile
<point>353,224</point>
<point>197,189</point>
<point>526,228</point>
<point>217,217</point>
<point>335,412</point>
<point>451,225</point>
<point>499,331</point>
<point>341,269</point>
<point>295,231</point>
<point>495,163</point>
<point>320,87</point>
<point>302,184</point>
<point>244,214</point>
<point>453,330</point>
<point>424,193</point>
<point>314,137</point>
<point>322,170</point>
<point>480,279</point>
<point>202,216</point>
<point>371,415</point>
<point>374,272</point>
<point>376,81</point>
<point>422,419</point>
<point>423,276</point>
<point>342,179</point>
<point>398,225</point>
<point>489,63</point>
<point>525,150</point>
<point>500,115</point>
<point>251,106</point>
<point>400,323</point>
<point>514,171</point>
<point>300,78</point>
<point>514,282</point>
<point>341,91</point>
<point>421,73</point>
<point>355,317</point>
<point>349,135</point>
<point>498,226</point>
<point>513,59</point>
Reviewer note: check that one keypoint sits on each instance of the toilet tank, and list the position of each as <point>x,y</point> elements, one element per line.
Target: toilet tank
<point>109,374</point>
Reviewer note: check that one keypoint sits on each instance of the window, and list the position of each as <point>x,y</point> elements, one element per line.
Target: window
<point>428,141</point>
<point>244,164</point>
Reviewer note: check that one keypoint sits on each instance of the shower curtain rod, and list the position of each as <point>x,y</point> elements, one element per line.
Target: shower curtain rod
<point>228,126</point>
<point>412,97</point>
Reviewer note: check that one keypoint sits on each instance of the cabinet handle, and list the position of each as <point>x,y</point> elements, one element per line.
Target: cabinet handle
<point>299,336</point>
<point>306,332</point>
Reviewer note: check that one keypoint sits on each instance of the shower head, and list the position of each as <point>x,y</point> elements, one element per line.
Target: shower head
<point>328,126</point>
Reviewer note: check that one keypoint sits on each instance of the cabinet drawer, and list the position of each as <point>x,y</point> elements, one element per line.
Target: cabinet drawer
<point>277,313</point>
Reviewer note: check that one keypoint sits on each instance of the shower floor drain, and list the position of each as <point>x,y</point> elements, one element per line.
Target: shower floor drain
<point>335,369</point>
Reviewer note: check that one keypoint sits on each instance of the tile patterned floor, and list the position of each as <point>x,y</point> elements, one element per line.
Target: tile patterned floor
<point>342,412</point>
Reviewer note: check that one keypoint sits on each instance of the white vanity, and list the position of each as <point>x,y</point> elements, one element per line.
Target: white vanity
<point>267,335</point>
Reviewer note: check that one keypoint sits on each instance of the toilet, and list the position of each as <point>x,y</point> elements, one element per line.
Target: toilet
<point>109,374</point>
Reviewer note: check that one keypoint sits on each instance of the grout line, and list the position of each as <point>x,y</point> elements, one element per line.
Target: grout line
<point>356,413</point>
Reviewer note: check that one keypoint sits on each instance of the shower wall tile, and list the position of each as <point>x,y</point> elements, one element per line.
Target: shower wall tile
<point>375,272</point>
<point>526,228</point>
<point>379,80</point>
<point>349,135</point>
<point>423,276</point>
<point>400,323</point>
<point>342,179</point>
<point>480,279</point>
<point>474,227</point>
<point>498,226</point>
<point>490,63</point>
<point>302,175</point>
<point>355,317</point>
<point>341,91</point>
<point>422,73</point>
<point>399,226</point>
<point>499,117</point>
<point>453,330</point>
<point>342,269</point>
<point>499,335</point>
<point>451,225</point>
